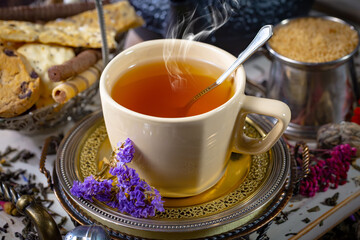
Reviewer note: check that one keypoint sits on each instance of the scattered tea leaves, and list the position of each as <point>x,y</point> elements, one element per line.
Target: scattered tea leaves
<point>8,150</point>
<point>2,229</point>
<point>19,235</point>
<point>293,210</point>
<point>357,167</point>
<point>356,181</point>
<point>306,220</point>
<point>50,202</point>
<point>28,232</point>
<point>4,163</point>
<point>314,209</point>
<point>24,184</point>
<point>23,155</point>
<point>331,201</point>
<point>290,234</point>
<point>283,216</point>
<point>321,223</point>
<point>62,222</point>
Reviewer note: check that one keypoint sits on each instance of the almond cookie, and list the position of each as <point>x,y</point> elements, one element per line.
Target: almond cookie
<point>19,84</point>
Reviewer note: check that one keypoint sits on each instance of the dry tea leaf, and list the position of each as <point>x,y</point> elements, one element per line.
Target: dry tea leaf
<point>314,209</point>
<point>331,201</point>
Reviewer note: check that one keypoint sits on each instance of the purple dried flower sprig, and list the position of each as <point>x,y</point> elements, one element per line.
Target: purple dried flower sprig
<point>125,151</point>
<point>328,169</point>
<point>128,193</point>
<point>93,188</point>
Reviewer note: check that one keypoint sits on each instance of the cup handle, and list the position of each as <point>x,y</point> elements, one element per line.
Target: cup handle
<point>263,106</point>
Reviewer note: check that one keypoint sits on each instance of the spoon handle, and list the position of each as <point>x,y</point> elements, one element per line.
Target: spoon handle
<point>260,39</point>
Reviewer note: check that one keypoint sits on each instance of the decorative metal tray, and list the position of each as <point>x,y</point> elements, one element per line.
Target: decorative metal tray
<point>254,189</point>
<point>51,115</point>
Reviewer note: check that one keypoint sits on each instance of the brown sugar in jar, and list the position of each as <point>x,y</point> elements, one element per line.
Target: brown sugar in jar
<point>314,40</point>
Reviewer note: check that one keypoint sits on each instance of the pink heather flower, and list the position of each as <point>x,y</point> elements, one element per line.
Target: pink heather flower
<point>330,172</point>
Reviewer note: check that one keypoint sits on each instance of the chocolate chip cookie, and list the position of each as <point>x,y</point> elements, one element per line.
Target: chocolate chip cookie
<point>19,84</point>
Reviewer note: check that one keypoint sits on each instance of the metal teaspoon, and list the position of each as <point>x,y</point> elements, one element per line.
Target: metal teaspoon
<point>260,39</point>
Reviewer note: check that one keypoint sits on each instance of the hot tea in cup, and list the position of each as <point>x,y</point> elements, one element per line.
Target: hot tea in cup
<point>182,155</point>
<point>162,88</point>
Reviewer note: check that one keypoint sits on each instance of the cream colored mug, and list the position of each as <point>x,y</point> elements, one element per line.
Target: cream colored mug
<point>186,156</point>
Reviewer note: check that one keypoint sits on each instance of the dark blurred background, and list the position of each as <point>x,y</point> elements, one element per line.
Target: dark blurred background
<point>245,18</point>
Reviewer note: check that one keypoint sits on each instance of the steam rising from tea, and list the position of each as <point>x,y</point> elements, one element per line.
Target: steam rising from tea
<point>193,28</point>
<point>162,87</point>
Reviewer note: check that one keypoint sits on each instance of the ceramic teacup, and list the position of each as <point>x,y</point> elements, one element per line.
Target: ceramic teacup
<point>188,155</point>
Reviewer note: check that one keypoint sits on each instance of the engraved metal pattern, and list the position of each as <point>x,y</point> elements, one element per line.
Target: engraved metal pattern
<point>88,162</point>
<point>256,175</point>
<point>197,218</point>
<point>73,210</point>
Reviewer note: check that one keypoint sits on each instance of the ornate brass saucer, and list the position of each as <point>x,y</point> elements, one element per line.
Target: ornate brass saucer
<point>254,189</point>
